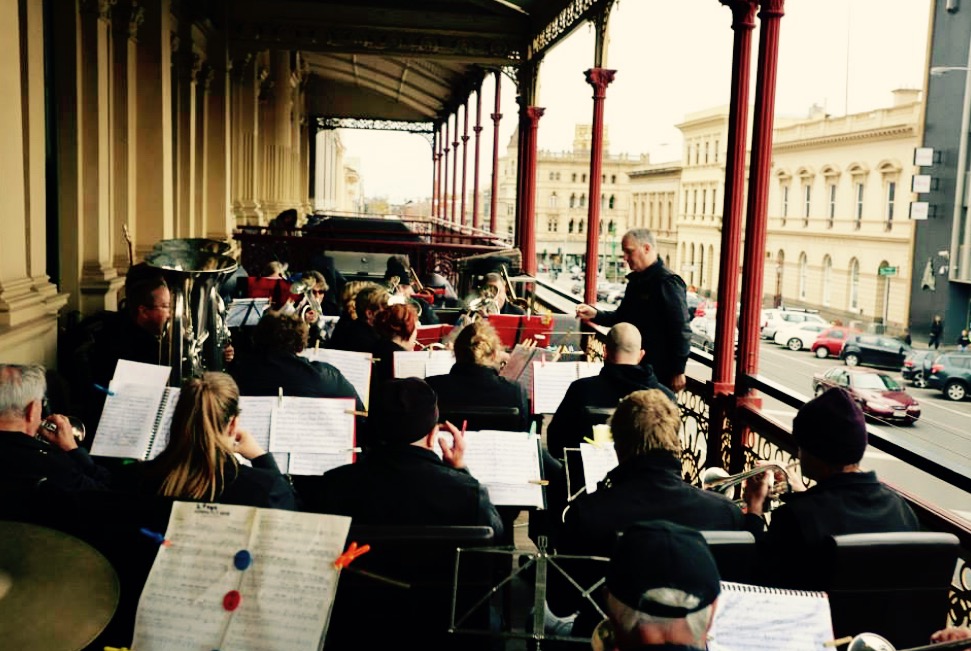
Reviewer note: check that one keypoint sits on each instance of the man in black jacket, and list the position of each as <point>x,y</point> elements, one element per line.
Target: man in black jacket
<point>403,481</point>
<point>656,303</point>
<point>831,432</point>
<point>620,376</point>
<point>26,462</point>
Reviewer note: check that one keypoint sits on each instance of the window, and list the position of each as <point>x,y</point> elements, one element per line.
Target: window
<point>580,224</point>
<point>706,152</point>
<point>858,211</point>
<point>716,151</point>
<point>785,203</point>
<point>583,178</point>
<point>808,198</point>
<point>714,202</point>
<point>553,200</point>
<point>613,178</point>
<point>574,177</point>
<point>694,202</point>
<point>552,176</point>
<point>611,202</point>
<point>831,210</point>
<point>803,275</point>
<point>573,199</point>
<point>827,279</point>
<point>854,284</point>
<point>697,153</point>
<point>557,176</point>
<point>552,224</point>
<point>888,213</point>
<point>704,202</point>
<point>583,200</point>
<point>569,226</point>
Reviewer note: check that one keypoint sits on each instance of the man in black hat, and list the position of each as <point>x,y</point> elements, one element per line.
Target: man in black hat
<point>662,588</point>
<point>399,267</point>
<point>402,480</point>
<point>831,433</point>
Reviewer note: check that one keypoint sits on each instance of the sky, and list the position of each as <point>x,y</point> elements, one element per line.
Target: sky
<point>674,58</point>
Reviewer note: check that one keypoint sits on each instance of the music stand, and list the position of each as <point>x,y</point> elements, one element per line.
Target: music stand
<point>246,312</point>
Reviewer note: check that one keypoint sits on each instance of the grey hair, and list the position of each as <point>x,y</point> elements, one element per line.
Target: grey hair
<point>630,619</point>
<point>642,236</point>
<point>20,385</point>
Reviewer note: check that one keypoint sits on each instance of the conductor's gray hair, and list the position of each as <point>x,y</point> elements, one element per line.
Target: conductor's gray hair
<point>642,236</point>
<point>20,385</point>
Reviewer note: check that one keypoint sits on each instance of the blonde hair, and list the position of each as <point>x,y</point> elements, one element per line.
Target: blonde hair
<point>193,464</point>
<point>645,421</point>
<point>478,343</point>
<point>350,293</point>
<point>374,298</point>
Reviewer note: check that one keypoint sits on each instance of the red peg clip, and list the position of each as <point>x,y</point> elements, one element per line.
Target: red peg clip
<point>353,551</point>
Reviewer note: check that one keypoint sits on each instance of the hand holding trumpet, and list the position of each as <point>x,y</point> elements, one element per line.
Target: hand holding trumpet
<point>757,488</point>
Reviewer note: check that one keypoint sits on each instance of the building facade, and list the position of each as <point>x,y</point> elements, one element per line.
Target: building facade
<point>654,191</point>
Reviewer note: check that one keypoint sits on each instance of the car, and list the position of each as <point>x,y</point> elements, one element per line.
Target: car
<point>693,301</point>
<point>772,319</point>
<point>916,366</point>
<point>951,373</point>
<point>703,331</point>
<point>798,335</point>
<point>879,395</point>
<point>874,350</point>
<point>830,341</point>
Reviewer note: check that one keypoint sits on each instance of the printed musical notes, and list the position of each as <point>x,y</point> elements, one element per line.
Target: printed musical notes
<point>550,382</point>
<point>597,460</point>
<point>422,363</point>
<point>354,366</point>
<point>508,464</point>
<point>314,426</point>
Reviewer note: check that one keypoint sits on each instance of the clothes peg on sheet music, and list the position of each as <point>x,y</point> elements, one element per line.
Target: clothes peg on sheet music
<point>279,401</point>
<point>353,551</point>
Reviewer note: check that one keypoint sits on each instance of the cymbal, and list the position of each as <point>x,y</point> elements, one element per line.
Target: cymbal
<point>56,592</point>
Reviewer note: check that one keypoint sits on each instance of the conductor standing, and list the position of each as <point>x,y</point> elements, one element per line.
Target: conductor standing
<point>656,303</point>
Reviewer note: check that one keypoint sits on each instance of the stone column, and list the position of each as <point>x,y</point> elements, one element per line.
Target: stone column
<point>200,150</point>
<point>121,118</point>
<point>599,79</point>
<point>186,66</point>
<point>219,217</point>
<point>154,214</point>
<point>245,129</point>
<point>276,103</point>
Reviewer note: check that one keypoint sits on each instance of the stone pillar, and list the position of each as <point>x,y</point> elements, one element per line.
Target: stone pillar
<point>531,123</point>
<point>186,66</point>
<point>219,217</point>
<point>121,112</point>
<point>154,213</point>
<point>771,13</point>
<point>200,154</point>
<point>276,104</point>
<point>245,131</point>
<point>496,118</point>
<point>599,78</point>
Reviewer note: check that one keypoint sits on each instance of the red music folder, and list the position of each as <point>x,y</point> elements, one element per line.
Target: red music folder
<point>515,329</point>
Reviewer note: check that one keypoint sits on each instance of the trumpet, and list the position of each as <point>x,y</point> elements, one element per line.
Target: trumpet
<point>309,302</point>
<point>718,480</point>
<point>397,298</point>
<point>510,292</point>
<point>485,304</point>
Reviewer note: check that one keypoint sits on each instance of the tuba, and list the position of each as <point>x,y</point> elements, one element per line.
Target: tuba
<point>197,333</point>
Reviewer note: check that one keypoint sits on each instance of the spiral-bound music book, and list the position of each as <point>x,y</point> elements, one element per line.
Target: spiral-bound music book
<point>756,618</point>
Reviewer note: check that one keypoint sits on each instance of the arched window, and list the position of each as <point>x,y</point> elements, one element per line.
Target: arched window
<point>570,226</point>
<point>803,275</point>
<point>583,200</point>
<point>553,200</point>
<point>827,279</point>
<point>611,201</point>
<point>854,284</point>
<point>580,224</point>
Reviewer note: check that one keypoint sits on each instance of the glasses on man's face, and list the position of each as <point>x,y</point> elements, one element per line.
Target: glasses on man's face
<point>158,307</point>
<point>317,292</point>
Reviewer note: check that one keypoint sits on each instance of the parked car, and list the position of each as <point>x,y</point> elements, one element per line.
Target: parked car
<point>830,341</point>
<point>916,366</point>
<point>798,335</point>
<point>774,318</point>
<point>693,301</point>
<point>880,396</point>
<point>951,373</point>
<point>703,331</point>
<point>874,350</point>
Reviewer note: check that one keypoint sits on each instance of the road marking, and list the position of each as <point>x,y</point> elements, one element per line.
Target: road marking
<point>924,403</point>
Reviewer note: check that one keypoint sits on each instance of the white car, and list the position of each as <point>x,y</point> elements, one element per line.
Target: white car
<point>774,319</point>
<point>799,335</point>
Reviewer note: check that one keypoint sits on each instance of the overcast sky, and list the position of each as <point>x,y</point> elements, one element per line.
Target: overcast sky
<point>672,59</point>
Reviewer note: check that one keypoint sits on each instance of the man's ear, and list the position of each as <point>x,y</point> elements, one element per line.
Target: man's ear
<point>34,411</point>
<point>640,355</point>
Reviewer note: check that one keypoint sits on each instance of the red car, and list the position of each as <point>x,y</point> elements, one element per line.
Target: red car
<point>830,341</point>
<point>880,396</point>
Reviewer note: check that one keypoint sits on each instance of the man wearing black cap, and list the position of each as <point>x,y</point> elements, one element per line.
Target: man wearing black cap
<point>399,267</point>
<point>831,433</point>
<point>402,480</point>
<point>662,587</point>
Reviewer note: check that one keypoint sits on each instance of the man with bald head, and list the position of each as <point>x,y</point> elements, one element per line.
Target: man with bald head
<point>621,375</point>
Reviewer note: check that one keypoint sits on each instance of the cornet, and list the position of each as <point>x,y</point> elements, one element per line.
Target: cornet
<point>309,301</point>
<point>397,298</point>
<point>718,480</point>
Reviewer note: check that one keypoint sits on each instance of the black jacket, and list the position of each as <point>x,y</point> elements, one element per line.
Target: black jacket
<point>262,485</point>
<point>383,367</point>
<point>656,304</point>
<point>471,385</point>
<point>570,424</point>
<point>26,462</point>
<point>402,485</point>
<point>843,504</point>
<point>353,335</point>
<point>263,374</point>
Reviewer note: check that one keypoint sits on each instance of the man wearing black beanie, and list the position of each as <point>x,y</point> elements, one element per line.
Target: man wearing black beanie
<point>831,433</point>
<point>402,480</point>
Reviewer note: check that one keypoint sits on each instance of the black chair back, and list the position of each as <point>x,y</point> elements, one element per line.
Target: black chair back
<point>893,584</point>
<point>478,417</point>
<point>734,553</point>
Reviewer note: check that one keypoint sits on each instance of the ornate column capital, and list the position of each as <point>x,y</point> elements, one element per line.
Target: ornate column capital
<point>240,65</point>
<point>771,9</point>
<point>534,113</point>
<point>495,117</point>
<point>100,7</point>
<point>477,128</point>
<point>599,78</point>
<point>204,74</point>
<point>135,20</point>
<point>743,12</point>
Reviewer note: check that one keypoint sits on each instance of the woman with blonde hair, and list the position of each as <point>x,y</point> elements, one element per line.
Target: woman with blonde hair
<point>199,462</point>
<point>357,332</point>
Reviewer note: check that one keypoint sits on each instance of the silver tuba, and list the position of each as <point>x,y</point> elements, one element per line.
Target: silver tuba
<point>194,269</point>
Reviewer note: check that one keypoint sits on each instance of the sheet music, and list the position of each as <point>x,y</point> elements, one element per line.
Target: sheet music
<point>588,369</point>
<point>597,461</point>
<point>287,593</point>
<point>317,464</point>
<point>354,366</point>
<point>422,363</point>
<point>255,415</point>
<point>508,464</point>
<point>439,362</point>
<point>129,372</point>
<point>550,382</point>
<point>164,431</point>
<point>245,311</point>
<point>127,421</point>
<point>539,355</point>
<point>754,618</point>
<point>313,425</point>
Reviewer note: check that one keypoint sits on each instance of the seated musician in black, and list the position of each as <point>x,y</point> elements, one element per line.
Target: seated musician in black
<point>356,331</point>
<point>398,327</point>
<point>54,459</point>
<point>621,375</point>
<point>402,481</point>
<point>831,433</point>
<point>400,268</point>
<point>502,298</point>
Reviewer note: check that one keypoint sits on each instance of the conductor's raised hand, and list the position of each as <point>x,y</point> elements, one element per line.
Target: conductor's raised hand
<point>586,312</point>
<point>453,455</point>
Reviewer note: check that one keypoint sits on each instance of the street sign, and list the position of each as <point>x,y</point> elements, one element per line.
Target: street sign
<point>924,156</point>
<point>921,183</point>
<point>919,209</point>
<point>887,271</point>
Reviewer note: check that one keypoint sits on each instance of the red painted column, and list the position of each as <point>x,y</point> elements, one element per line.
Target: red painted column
<point>522,162</point>
<point>758,191</point>
<point>438,173</point>
<point>496,118</point>
<point>434,174</point>
<point>743,21</point>
<point>532,116</point>
<point>455,166</point>
<point>477,129</point>
<point>465,158</point>
<point>599,78</point>
<point>444,210</point>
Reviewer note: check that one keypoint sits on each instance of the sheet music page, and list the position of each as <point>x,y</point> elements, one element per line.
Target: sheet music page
<point>164,431</point>
<point>409,363</point>
<point>282,460</point>
<point>318,464</point>
<point>313,425</point>
<point>438,362</point>
<point>538,355</point>
<point>245,311</point>
<point>508,464</point>
<point>550,382</point>
<point>127,421</point>
<point>286,593</point>
<point>588,369</point>
<point>255,414</point>
<point>597,461</point>
<point>354,366</point>
<point>519,357</point>
<point>753,618</point>
<point>129,372</point>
